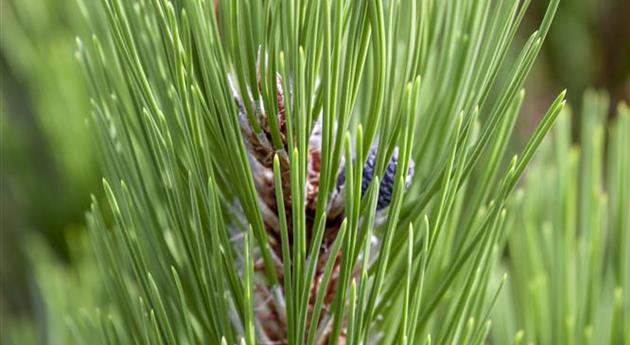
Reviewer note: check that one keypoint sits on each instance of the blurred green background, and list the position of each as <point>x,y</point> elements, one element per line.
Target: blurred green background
<point>48,160</point>
<point>49,164</point>
<point>588,46</point>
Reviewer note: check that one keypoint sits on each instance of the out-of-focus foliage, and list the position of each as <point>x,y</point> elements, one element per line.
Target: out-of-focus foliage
<point>48,168</point>
<point>48,160</point>
<point>588,45</point>
<point>60,292</point>
<point>568,257</point>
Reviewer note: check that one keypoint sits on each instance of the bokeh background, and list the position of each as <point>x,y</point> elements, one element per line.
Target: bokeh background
<point>49,162</point>
<point>588,46</point>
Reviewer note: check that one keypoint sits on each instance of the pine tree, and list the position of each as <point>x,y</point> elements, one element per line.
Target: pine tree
<point>304,172</point>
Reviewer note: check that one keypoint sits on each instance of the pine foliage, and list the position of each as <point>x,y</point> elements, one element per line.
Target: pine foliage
<point>182,91</point>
